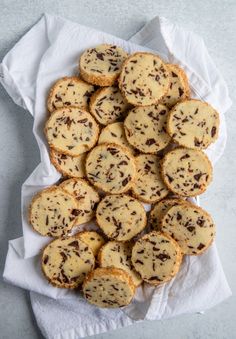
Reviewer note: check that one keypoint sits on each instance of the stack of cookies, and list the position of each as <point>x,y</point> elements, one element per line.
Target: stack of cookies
<point>124,133</point>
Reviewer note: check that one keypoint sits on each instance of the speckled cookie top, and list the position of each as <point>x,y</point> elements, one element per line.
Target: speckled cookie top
<point>144,79</point>
<point>121,217</point>
<point>111,168</point>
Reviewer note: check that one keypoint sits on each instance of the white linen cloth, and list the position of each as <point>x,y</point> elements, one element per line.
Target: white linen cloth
<point>48,51</point>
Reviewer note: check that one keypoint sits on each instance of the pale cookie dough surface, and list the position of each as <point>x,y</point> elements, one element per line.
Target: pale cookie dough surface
<point>107,105</point>
<point>160,209</point>
<point>108,287</point>
<point>93,239</point>
<point>179,87</point>
<point>145,128</point>
<point>67,165</point>
<point>193,124</point>
<point>86,196</point>
<point>121,217</point>
<point>118,254</point>
<point>148,185</point>
<point>52,212</point>
<point>186,172</point>
<point>191,226</point>
<point>66,262</point>
<point>111,168</point>
<point>101,65</point>
<point>69,91</point>
<point>115,133</point>
<point>71,131</point>
<point>144,79</point>
<point>157,257</point>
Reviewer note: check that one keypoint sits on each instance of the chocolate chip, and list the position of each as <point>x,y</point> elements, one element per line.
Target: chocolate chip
<point>213,131</point>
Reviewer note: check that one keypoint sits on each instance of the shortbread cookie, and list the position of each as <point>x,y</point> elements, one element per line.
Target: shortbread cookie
<point>156,257</point>
<point>71,131</point>
<point>115,133</point>
<point>179,87</point>
<point>53,212</point>
<point>191,226</point>
<point>148,185</point>
<point>93,239</point>
<point>186,172</point>
<point>193,124</point>
<point>66,262</point>
<point>144,79</point>
<point>111,167</point>
<point>107,105</point>
<point>145,128</point>
<point>118,254</point>
<point>108,287</point>
<point>86,196</point>
<point>101,65</point>
<point>67,165</point>
<point>160,209</point>
<point>70,91</point>
<point>121,217</point>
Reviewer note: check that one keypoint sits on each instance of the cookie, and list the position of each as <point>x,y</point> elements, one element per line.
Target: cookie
<point>144,79</point>
<point>111,168</point>
<point>86,196</point>
<point>107,105</point>
<point>115,133</point>
<point>67,165</point>
<point>193,124</point>
<point>191,226</point>
<point>148,185</point>
<point>121,217</point>
<point>108,287</point>
<point>52,212</point>
<point>156,257</point>
<point>145,128</point>
<point>101,65</point>
<point>179,87</point>
<point>118,254</point>
<point>66,262</point>
<point>93,239</point>
<point>160,209</point>
<point>69,91</point>
<point>71,131</point>
<point>186,172</point>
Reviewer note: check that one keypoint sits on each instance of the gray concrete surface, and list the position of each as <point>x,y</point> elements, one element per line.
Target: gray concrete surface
<point>215,20</point>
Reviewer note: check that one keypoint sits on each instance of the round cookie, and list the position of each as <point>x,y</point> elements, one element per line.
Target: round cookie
<point>191,226</point>
<point>69,91</point>
<point>156,257</point>
<point>179,87</point>
<point>160,209</point>
<point>193,124</point>
<point>111,168</point>
<point>115,133</point>
<point>118,254</point>
<point>107,105</point>
<point>121,217</point>
<point>93,239</point>
<point>101,65</point>
<point>86,196</point>
<point>148,185</point>
<point>108,287</point>
<point>186,172</point>
<point>66,262</point>
<point>145,128</point>
<point>71,131</point>
<point>67,165</point>
<point>52,212</point>
<point>144,79</point>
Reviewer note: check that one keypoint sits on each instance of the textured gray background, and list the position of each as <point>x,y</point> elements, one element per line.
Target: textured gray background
<point>215,21</point>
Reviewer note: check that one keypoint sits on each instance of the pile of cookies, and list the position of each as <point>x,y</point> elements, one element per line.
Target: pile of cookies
<point>123,134</point>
